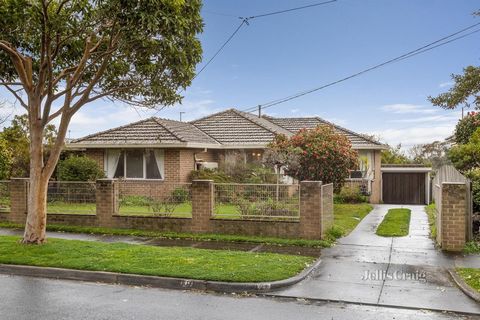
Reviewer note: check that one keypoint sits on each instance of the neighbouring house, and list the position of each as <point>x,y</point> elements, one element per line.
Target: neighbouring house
<point>154,151</point>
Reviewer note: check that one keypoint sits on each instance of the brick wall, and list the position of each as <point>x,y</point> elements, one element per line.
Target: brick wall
<point>97,155</point>
<point>315,201</point>
<point>452,217</point>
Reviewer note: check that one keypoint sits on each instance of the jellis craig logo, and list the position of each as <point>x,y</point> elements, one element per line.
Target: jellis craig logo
<point>398,275</point>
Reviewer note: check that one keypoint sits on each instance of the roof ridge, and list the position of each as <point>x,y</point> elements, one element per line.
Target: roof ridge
<point>350,131</point>
<point>253,119</point>
<point>110,130</point>
<point>161,122</point>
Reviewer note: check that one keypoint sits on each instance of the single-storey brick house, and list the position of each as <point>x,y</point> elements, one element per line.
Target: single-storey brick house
<point>155,150</point>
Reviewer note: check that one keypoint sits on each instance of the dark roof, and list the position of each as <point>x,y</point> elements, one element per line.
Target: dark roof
<point>229,128</point>
<point>233,127</point>
<point>296,124</point>
<point>150,131</point>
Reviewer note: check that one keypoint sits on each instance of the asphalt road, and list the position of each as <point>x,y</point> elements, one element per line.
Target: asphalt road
<point>36,298</point>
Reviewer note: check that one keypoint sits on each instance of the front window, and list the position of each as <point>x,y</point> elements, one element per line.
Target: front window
<point>135,164</point>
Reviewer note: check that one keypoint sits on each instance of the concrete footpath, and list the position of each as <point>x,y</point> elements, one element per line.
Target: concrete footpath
<point>402,272</point>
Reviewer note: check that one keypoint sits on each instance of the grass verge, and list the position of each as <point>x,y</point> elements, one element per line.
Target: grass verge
<point>395,223</point>
<point>432,216</point>
<point>218,265</point>
<point>471,276</point>
<point>347,216</point>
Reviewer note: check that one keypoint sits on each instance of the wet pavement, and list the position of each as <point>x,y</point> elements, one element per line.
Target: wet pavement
<point>405,271</point>
<point>24,298</point>
<point>213,245</point>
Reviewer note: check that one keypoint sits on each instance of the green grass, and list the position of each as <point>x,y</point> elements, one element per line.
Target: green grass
<point>218,265</point>
<point>470,276</point>
<point>395,223</point>
<point>346,218</point>
<point>432,216</point>
<point>472,247</point>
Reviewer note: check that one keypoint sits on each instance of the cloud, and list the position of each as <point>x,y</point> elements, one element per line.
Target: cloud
<point>415,135</point>
<point>407,108</point>
<point>294,110</point>
<point>439,118</point>
<point>446,84</point>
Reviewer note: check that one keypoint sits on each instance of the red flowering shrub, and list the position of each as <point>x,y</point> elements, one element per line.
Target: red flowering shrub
<point>319,154</point>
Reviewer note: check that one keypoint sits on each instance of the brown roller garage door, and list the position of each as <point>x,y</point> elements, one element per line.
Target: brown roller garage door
<point>403,188</point>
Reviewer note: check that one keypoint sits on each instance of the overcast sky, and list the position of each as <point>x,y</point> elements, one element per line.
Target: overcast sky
<point>280,55</point>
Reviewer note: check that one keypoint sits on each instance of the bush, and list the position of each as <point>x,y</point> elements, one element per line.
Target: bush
<point>350,194</point>
<point>321,155</point>
<point>180,195</point>
<point>79,168</point>
<point>474,176</point>
<point>209,174</point>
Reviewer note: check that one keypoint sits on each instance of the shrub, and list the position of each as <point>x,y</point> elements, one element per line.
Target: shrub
<point>474,176</point>
<point>6,160</point>
<point>180,195</point>
<point>322,155</point>
<point>350,194</point>
<point>210,174</point>
<point>79,168</point>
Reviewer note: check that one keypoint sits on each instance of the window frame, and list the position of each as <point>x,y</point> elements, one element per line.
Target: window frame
<point>144,163</point>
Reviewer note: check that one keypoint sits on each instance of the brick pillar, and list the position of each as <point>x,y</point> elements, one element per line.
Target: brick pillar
<point>107,201</point>
<point>453,216</point>
<point>375,197</point>
<point>18,200</point>
<point>311,209</point>
<point>327,208</point>
<point>202,205</point>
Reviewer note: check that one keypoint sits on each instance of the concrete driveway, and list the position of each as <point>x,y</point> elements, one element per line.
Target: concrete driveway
<point>404,271</point>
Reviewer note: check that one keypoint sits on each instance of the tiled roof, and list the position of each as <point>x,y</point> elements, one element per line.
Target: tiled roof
<point>233,127</point>
<point>295,124</point>
<point>229,128</point>
<point>149,131</point>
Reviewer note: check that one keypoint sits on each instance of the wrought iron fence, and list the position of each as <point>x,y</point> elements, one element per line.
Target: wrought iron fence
<point>155,199</point>
<point>71,197</point>
<point>4,196</point>
<point>257,201</point>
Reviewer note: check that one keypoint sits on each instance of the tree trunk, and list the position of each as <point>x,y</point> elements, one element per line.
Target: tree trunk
<point>35,227</point>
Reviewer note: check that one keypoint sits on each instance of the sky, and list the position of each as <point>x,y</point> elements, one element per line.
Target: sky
<point>280,55</point>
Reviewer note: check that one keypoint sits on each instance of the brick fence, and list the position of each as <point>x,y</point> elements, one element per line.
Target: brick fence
<point>316,213</point>
<point>451,222</point>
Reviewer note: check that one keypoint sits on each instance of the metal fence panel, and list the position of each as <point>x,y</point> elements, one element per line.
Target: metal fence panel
<point>159,199</point>
<point>71,197</point>
<point>257,201</point>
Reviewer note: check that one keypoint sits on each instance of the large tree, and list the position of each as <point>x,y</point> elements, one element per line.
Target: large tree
<point>58,55</point>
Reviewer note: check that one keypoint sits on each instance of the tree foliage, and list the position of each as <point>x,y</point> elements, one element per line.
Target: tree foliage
<point>79,168</point>
<point>6,160</point>
<point>466,90</point>
<point>395,155</point>
<point>17,139</point>
<point>430,154</point>
<point>466,127</point>
<point>466,157</point>
<point>319,154</point>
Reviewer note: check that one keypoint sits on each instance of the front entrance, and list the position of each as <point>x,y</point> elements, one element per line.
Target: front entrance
<point>404,187</point>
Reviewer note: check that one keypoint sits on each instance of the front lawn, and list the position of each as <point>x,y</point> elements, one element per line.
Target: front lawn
<point>395,223</point>
<point>470,276</point>
<point>218,265</point>
<point>348,216</point>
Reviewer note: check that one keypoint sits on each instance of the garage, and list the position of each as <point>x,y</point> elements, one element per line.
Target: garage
<point>406,184</point>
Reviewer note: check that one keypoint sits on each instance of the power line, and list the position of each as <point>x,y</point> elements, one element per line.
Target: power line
<point>425,48</point>
<point>288,10</point>
<point>245,21</point>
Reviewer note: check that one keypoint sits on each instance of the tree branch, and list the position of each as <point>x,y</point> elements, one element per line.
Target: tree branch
<point>17,96</point>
